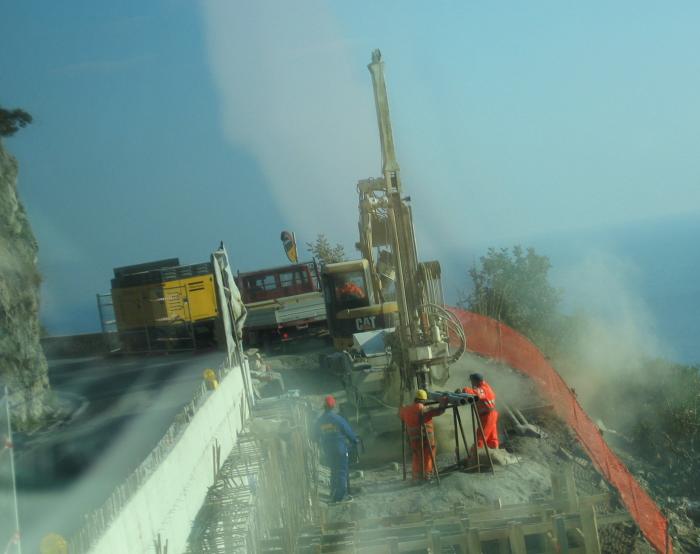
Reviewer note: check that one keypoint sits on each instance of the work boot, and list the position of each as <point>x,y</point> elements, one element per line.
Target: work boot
<point>346,498</point>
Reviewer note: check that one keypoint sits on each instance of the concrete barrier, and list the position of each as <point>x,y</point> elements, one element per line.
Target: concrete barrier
<point>166,503</point>
<point>74,346</point>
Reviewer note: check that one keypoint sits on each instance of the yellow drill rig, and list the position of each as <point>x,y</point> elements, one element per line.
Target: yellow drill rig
<point>389,295</point>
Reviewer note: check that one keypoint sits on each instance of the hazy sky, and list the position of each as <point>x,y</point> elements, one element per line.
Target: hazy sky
<point>163,127</point>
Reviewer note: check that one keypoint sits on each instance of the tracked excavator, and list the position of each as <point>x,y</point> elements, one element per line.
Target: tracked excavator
<point>385,311</point>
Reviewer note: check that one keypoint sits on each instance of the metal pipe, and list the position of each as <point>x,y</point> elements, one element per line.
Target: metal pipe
<point>461,430</point>
<point>403,447</point>
<point>483,435</point>
<point>12,469</point>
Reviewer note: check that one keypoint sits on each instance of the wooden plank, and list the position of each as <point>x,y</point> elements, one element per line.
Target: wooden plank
<point>559,523</point>
<point>589,527</point>
<point>611,519</point>
<point>473,542</point>
<point>527,510</point>
<point>550,543</point>
<point>570,489</point>
<point>516,539</point>
<point>435,541</point>
<point>460,528</point>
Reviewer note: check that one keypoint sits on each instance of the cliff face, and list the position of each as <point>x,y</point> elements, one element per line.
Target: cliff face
<point>22,363</point>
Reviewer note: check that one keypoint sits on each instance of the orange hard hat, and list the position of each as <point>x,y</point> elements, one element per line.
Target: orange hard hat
<point>329,402</point>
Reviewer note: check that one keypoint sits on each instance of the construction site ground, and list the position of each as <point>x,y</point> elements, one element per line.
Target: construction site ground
<point>377,484</point>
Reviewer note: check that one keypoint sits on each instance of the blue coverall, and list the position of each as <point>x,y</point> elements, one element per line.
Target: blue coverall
<point>333,432</point>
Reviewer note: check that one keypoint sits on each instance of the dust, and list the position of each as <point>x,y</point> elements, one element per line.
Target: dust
<point>613,334</point>
<point>280,102</point>
<point>512,389</point>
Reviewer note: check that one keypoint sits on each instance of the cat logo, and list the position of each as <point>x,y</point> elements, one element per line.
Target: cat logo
<point>366,323</point>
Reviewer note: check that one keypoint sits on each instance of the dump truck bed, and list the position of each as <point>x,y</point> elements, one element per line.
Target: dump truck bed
<point>288,311</point>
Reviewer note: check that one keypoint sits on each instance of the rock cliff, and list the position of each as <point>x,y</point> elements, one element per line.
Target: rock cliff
<point>22,363</point>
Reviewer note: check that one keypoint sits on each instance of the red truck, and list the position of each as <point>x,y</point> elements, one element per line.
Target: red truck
<point>284,303</point>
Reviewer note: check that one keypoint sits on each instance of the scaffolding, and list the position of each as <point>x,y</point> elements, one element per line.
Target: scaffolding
<point>108,323</point>
<point>266,490</point>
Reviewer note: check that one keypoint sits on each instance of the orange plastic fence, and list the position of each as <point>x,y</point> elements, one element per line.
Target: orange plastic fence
<point>490,338</point>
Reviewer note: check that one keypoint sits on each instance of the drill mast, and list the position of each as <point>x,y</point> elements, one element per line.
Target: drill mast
<point>422,335</point>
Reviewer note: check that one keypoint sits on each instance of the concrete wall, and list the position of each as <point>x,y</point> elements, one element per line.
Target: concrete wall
<point>167,503</point>
<point>74,346</point>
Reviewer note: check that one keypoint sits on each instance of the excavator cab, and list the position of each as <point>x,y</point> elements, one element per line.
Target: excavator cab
<point>351,305</point>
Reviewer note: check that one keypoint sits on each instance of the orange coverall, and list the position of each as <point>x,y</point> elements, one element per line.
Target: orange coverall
<point>351,289</point>
<point>422,465</point>
<point>486,408</point>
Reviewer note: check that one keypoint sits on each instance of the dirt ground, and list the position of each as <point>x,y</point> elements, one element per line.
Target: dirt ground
<point>377,484</point>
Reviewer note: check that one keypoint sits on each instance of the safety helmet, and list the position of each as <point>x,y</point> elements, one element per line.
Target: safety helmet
<point>53,544</point>
<point>329,402</point>
<point>476,378</point>
<point>421,395</point>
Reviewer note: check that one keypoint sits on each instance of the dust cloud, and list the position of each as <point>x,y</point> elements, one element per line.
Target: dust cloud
<point>612,334</point>
<point>294,99</point>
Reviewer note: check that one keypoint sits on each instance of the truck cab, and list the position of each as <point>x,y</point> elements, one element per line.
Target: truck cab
<point>284,303</point>
<point>277,282</point>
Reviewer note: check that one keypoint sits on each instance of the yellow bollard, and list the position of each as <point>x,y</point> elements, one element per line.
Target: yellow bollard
<point>53,544</point>
<point>210,377</point>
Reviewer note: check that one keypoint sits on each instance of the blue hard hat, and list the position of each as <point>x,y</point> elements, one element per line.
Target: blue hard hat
<point>476,378</point>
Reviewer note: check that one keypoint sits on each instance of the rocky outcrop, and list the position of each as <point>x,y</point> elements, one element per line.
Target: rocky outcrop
<point>22,363</point>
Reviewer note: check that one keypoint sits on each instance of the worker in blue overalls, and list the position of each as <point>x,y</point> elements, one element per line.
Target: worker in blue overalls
<point>333,433</point>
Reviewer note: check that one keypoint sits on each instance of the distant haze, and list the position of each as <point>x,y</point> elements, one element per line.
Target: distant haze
<point>636,281</point>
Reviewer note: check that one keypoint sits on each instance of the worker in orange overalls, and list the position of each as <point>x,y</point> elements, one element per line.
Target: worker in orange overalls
<point>412,415</point>
<point>486,408</point>
<point>350,289</point>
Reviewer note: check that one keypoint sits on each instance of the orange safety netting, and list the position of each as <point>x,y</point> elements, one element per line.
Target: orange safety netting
<point>490,338</point>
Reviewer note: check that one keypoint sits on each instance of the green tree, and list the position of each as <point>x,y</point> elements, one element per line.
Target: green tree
<point>322,250</point>
<point>513,286</point>
<point>12,120</point>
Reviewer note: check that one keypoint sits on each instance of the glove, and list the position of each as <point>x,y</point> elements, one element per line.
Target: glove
<point>443,402</point>
<point>472,399</point>
<point>458,391</point>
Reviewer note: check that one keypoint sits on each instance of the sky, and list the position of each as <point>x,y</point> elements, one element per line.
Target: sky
<point>164,127</point>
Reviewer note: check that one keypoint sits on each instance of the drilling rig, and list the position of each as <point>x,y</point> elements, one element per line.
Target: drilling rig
<point>389,293</point>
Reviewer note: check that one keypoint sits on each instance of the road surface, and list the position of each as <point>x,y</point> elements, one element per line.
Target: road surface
<point>126,405</point>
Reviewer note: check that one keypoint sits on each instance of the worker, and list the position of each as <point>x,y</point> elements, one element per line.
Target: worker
<point>413,415</point>
<point>485,400</point>
<point>351,290</point>
<point>333,432</point>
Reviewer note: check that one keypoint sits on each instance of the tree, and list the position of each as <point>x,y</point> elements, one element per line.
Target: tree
<point>513,287</point>
<point>322,250</point>
<point>12,120</point>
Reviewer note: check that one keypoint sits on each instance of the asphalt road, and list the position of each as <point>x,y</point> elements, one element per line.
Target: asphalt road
<point>125,407</point>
